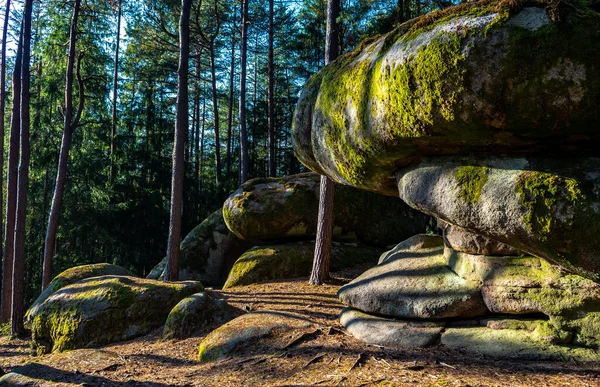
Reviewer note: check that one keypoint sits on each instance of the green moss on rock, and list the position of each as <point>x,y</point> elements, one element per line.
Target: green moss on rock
<point>541,192</point>
<point>471,180</point>
<point>287,208</point>
<point>71,276</point>
<point>102,310</point>
<point>483,77</point>
<point>263,263</point>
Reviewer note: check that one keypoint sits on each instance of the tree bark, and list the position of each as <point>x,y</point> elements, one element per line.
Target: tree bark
<point>11,186</point>
<point>230,108</point>
<point>3,105</point>
<point>69,126</point>
<point>181,126</point>
<point>113,130</point>
<point>271,97</point>
<point>320,271</point>
<point>244,161</point>
<point>215,98</point>
<point>18,282</point>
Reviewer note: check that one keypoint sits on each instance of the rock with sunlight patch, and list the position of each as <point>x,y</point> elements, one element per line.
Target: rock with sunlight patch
<point>247,332</point>
<point>545,207</point>
<point>194,313</point>
<point>291,260</point>
<point>487,77</point>
<point>414,282</point>
<point>102,310</point>
<point>71,276</point>
<point>286,208</point>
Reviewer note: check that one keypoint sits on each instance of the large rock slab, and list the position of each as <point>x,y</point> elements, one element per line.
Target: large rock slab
<point>194,313</point>
<point>287,207</point>
<point>390,333</point>
<point>207,253</point>
<point>516,344</point>
<point>291,260</point>
<point>71,276</point>
<point>414,283</point>
<point>549,208</point>
<point>245,330</point>
<point>484,77</point>
<point>102,310</point>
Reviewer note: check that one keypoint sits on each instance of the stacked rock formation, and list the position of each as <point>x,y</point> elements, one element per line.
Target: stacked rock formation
<point>280,216</point>
<point>486,117</point>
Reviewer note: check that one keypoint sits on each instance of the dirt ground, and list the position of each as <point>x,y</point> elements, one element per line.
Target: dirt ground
<point>327,356</point>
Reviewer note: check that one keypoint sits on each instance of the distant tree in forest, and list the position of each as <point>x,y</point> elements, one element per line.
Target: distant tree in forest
<point>181,126</point>
<point>71,121</point>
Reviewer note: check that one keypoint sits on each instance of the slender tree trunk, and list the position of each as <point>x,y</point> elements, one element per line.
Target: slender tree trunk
<point>230,109</point>
<point>61,173</point>
<point>320,271</point>
<point>18,282</point>
<point>244,162</point>
<point>3,106</point>
<point>181,126</point>
<point>271,97</point>
<point>11,186</point>
<point>200,173</point>
<point>113,129</point>
<point>215,98</point>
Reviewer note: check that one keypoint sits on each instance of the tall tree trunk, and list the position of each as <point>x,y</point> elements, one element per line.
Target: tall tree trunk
<point>68,128</point>
<point>215,98</point>
<point>271,97</point>
<point>11,186</point>
<point>18,282</point>
<point>181,126</point>
<point>113,129</point>
<point>3,105</point>
<point>230,108</point>
<point>244,162</point>
<point>320,271</point>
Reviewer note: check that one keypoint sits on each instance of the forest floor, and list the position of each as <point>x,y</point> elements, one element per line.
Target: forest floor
<point>328,357</point>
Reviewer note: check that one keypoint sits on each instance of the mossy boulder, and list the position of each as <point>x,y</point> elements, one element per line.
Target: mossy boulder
<point>549,208</point>
<point>71,276</point>
<point>484,77</point>
<point>287,207</point>
<point>102,310</point>
<point>194,313</point>
<point>291,260</point>
<point>207,252</point>
<point>529,285</point>
<point>414,282</point>
<point>246,332</point>
<point>515,344</point>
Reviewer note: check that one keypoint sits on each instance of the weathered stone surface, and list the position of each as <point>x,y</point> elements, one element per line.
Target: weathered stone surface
<point>287,207</point>
<point>414,283</point>
<point>71,276</point>
<point>292,260</point>
<point>524,285</point>
<point>103,310</point>
<point>388,332</point>
<point>548,208</point>
<point>487,77</point>
<point>232,337</point>
<point>194,313</point>
<point>513,344</point>
<point>207,252</point>
<point>414,243</point>
<point>459,239</point>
